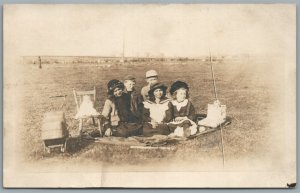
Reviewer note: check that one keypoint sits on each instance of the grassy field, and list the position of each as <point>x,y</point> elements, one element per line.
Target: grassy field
<point>241,86</point>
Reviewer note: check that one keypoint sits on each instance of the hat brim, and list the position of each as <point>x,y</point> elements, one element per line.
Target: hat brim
<point>178,85</point>
<point>111,89</point>
<point>163,87</point>
<point>154,76</point>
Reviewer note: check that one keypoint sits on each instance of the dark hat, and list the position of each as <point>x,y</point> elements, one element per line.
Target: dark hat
<point>177,85</point>
<point>156,86</point>
<point>129,77</point>
<point>112,84</point>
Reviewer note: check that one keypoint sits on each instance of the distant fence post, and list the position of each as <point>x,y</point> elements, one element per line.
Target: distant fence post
<point>40,62</point>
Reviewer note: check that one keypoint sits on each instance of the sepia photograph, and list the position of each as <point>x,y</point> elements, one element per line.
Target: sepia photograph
<point>149,96</point>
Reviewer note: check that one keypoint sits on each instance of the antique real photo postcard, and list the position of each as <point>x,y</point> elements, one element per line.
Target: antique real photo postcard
<point>149,95</point>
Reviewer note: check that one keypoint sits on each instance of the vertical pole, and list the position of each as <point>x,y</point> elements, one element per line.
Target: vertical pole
<point>216,97</point>
<point>223,151</point>
<point>75,97</point>
<point>123,52</point>
<point>213,76</point>
<point>99,126</point>
<point>40,62</point>
<point>80,125</point>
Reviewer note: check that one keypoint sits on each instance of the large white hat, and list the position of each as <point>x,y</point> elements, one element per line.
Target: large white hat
<point>151,73</point>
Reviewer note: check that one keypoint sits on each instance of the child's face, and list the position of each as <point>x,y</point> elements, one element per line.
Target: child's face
<point>118,92</point>
<point>158,93</point>
<point>129,85</point>
<point>181,94</point>
<point>152,80</point>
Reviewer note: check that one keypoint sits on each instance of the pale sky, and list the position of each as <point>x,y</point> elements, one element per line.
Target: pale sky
<point>169,30</point>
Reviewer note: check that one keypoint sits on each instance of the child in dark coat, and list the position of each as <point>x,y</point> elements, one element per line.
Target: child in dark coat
<point>183,111</point>
<point>136,100</point>
<point>118,119</point>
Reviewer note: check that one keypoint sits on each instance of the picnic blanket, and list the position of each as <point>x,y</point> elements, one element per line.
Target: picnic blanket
<point>156,141</point>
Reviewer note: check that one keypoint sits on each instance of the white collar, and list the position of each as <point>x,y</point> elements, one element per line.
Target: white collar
<point>161,102</point>
<point>181,104</point>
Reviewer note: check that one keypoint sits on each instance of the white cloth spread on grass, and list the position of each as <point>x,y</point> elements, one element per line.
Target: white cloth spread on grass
<point>157,110</point>
<point>86,108</point>
<point>216,115</point>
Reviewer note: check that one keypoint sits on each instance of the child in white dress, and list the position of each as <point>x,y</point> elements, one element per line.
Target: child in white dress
<point>157,111</point>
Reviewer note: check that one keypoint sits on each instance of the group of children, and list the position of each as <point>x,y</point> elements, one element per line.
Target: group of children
<point>153,111</point>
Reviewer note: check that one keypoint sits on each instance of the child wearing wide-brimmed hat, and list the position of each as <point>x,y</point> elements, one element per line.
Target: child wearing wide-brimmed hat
<point>183,110</point>
<point>157,111</point>
<point>118,118</point>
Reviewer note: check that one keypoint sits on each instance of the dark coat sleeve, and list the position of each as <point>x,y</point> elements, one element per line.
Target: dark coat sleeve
<point>140,111</point>
<point>169,114</point>
<point>105,115</point>
<point>191,112</point>
<point>146,115</point>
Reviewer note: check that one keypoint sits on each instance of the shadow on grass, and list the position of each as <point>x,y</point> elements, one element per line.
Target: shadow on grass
<point>76,144</point>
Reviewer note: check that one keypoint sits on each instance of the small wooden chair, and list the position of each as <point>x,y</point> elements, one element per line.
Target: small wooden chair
<point>78,96</point>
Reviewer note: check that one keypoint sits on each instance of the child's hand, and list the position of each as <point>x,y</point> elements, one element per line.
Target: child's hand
<point>108,132</point>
